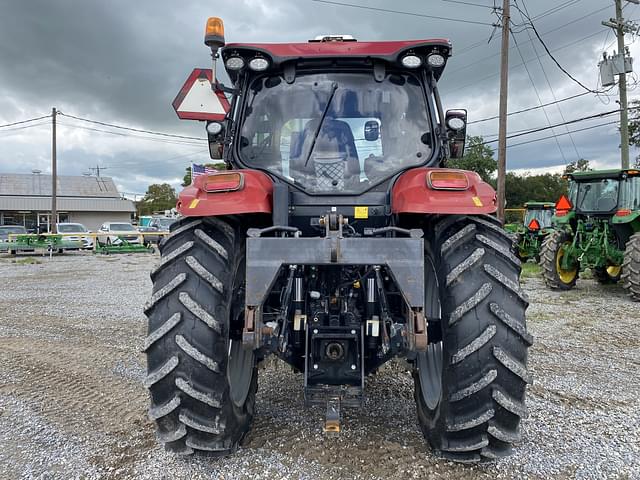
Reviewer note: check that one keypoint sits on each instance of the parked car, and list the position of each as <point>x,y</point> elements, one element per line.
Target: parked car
<point>67,228</point>
<point>5,231</point>
<point>157,224</point>
<point>113,233</point>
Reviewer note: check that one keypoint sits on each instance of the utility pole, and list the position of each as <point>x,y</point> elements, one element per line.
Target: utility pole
<point>621,27</point>
<point>97,169</point>
<point>53,224</point>
<point>502,130</point>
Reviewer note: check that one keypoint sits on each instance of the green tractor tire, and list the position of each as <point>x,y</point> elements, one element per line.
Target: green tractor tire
<point>551,254</point>
<point>631,268</point>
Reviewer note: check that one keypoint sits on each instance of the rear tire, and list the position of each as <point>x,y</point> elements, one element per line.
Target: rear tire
<point>550,255</point>
<point>471,396</point>
<point>202,382</point>
<point>607,275</point>
<point>631,268</point>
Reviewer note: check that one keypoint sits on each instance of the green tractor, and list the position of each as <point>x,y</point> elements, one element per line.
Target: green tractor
<point>535,227</point>
<point>596,227</point>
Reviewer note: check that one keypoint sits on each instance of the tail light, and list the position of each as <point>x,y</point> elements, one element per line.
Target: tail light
<point>223,182</point>
<point>623,212</point>
<point>447,180</point>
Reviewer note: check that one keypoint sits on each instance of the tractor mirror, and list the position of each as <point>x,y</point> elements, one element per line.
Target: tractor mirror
<point>456,124</point>
<point>215,149</point>
<point>371,131</point>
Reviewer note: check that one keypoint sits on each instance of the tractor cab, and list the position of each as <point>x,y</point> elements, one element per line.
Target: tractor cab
<point>538,215</point>
<point>594,225</point>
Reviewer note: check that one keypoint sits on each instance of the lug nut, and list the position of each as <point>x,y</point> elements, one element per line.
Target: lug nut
<point>353,367</point>
<point>315,331</point>
<point>315,366</point>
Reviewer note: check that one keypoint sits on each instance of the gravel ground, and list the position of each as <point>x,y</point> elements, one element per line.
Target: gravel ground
<point>72,404</point>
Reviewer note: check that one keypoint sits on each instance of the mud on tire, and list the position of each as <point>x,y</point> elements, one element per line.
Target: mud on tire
<point>476,412</point>
<point>631,268</point>
<point>191,350</point>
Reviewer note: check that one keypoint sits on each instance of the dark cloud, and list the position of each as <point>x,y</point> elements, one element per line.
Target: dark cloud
<point>123,62</point>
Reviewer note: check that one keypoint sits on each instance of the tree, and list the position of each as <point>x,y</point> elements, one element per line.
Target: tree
<point>477,158</point>
<point>581,165</point>
<point>539,188</point>
<point>186,180</point>
<point>159,197</point>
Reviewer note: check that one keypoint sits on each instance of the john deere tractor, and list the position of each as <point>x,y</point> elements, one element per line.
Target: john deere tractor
<point>535,226</point>
<point>597,227</point>
<point>336,240</point>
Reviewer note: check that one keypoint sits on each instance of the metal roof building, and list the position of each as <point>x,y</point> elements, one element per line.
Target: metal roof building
<point>25,199</point>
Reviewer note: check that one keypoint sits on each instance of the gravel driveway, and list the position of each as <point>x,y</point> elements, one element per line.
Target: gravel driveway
<point>72,404</point>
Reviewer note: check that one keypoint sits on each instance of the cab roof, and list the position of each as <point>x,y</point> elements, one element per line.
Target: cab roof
<point>390,52</point>
<point>541,205</point>
<point>600,174</point>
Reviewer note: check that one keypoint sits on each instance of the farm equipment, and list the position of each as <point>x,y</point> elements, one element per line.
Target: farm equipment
<point>534,228</point>
<point>121,245</point>
<point>336,240</point>
<point>596,227</point>
<point>31,242</point>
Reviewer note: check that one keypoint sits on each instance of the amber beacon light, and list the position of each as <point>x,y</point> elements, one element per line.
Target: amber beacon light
<point>214,33</point>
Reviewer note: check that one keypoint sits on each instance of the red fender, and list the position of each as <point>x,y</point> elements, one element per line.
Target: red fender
<point>412,194</point>
<point>253,196</point>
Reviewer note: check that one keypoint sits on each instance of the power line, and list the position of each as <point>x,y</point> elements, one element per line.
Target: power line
<point>472,4</point>
<point>576,120</point>
<point>532,108</point>
<point>544,45</point>
<point>476,81</point>
<point>385,10</point>
<point>553,94</point>
<point>24,121</point>
<point>489,57</point>
<point>561,134</point>
<point>535,89</point>
<point>24,127</point>
<point>139,130</point>
<point>140,137</point>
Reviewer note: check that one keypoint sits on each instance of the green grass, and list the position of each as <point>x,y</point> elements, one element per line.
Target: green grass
<point>530,270</point>
<point>27,261</point>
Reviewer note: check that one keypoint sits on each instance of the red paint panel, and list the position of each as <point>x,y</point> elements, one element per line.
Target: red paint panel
<point>195,74</point>
<point>411,194</point>
<point>255,196</point>
<point>312,49</point>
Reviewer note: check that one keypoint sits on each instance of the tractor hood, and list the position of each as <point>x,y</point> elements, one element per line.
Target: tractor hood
<point>278,54</point>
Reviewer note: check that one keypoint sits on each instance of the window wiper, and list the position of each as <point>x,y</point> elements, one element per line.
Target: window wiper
<point>334,87</point>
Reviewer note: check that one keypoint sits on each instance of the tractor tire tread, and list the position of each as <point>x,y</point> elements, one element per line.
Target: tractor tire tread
<point>186,345</point>
<point>485,342</point>
<point>631,268</point>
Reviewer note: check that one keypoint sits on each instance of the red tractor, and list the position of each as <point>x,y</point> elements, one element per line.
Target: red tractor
<point>335,240</point>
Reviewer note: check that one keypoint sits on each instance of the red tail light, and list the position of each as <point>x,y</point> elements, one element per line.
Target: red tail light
<point>534,225</point>
<point>223,182</point>
<point>623,212</point>
<point>447,180</point>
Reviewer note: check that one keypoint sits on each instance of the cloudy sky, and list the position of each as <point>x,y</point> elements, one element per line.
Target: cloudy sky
<point>123,62</point>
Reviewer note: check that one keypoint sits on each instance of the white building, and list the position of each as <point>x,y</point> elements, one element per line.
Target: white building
<point>25,199</point>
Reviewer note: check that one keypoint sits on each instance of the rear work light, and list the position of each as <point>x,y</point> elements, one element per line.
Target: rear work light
<point>447,180</point>
<point>223,182</point>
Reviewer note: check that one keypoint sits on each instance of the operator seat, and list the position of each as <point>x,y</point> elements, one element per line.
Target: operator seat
<point>335,139</point>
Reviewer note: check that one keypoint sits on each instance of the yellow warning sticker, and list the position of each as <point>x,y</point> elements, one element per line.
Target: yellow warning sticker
<point>361,212</point>
<point>477,202</point>
<point>194,203</point>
